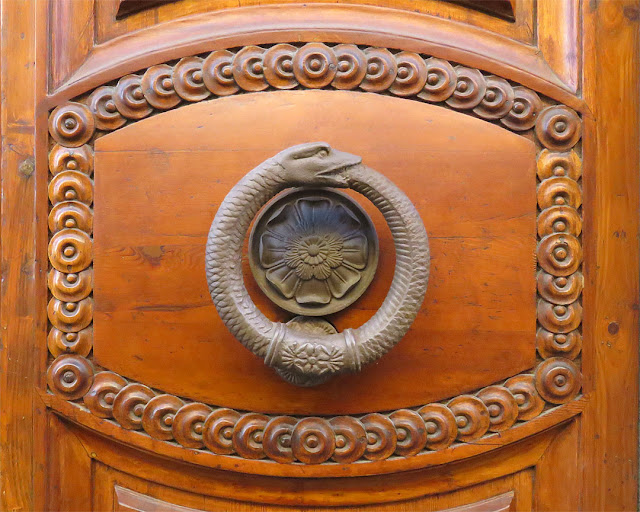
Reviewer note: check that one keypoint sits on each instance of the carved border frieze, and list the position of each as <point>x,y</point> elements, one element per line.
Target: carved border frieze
<point>555,128</point>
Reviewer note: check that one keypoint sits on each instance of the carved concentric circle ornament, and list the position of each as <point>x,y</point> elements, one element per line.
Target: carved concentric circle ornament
<point>313,252</point>
<point>72,124</point>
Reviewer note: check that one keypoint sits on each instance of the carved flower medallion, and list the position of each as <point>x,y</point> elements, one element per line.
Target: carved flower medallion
<point>312,359</point>
<point>313,252</point>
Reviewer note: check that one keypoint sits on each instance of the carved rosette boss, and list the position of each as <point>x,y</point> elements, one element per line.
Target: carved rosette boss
<point>313,252</point>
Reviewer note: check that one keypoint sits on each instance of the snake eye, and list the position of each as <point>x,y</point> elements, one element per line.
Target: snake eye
<point>323,153</point>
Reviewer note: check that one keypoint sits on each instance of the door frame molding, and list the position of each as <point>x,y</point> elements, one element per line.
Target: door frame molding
<point>611,183</point>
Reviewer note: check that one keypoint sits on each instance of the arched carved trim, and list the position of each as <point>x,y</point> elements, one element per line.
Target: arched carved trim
<point>407,432</point>
<point>360,24</point>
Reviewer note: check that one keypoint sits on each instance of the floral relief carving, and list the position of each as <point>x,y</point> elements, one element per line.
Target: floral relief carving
<point>555,380</point>
<point>314,254</point>
<point>313,250</point>
<point>313,359</point>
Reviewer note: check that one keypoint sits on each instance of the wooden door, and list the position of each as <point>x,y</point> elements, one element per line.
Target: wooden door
<point>491,147</point>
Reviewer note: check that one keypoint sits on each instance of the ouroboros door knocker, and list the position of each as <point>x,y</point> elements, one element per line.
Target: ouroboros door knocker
<point>309,357</point>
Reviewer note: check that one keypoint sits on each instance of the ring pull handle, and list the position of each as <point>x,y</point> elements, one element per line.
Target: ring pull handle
<point>303,270</point>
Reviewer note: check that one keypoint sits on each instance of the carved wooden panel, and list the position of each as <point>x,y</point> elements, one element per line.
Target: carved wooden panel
<point>512,17</point>
<point>523,387</point>
<point>555,378</point>
<point>150,284</point>
<point>131,501</point>
<point>501,8</point>
<point>519,473</point>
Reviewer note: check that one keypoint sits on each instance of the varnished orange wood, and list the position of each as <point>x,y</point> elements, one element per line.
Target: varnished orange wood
<point>22,257</point>
<point>67,56</point>
<point>558,35</point>
<point>477,324</point>
<point>610,358</point>
<point>549,493</point>
<point>72,466</point>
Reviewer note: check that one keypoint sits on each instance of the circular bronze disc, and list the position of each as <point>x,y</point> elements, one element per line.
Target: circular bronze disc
<point>313,252</point>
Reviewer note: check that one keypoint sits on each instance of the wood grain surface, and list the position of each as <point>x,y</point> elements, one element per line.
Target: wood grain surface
<point>612,152</point>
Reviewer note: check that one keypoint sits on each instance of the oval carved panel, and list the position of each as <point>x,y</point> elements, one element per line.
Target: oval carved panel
<point>146,246</point>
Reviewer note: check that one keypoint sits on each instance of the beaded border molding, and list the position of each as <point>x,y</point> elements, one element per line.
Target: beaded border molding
<point>555,128</point>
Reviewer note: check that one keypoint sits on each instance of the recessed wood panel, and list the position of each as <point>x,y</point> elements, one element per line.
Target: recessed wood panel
<point>126,500</point>
<point>158,185</point>
<point>511,18</point>
<point>500,8</point>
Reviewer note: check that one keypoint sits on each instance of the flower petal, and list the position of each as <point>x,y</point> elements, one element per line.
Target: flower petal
<point>304,271</point>
<point>284,279</point>
<point>272,250</point>
<point>294,253</point>
<point>283,224</point>
<point>313,292</point>
<point>334,259</point>
<point>345,222</point>
<point>341,280</point>
<point>322,270</point>
<point>312,211</point>
<point>324,215</point>
<point>355,251</point>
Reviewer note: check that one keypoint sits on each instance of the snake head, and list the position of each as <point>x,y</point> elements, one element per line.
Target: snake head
<point>316,164</point>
